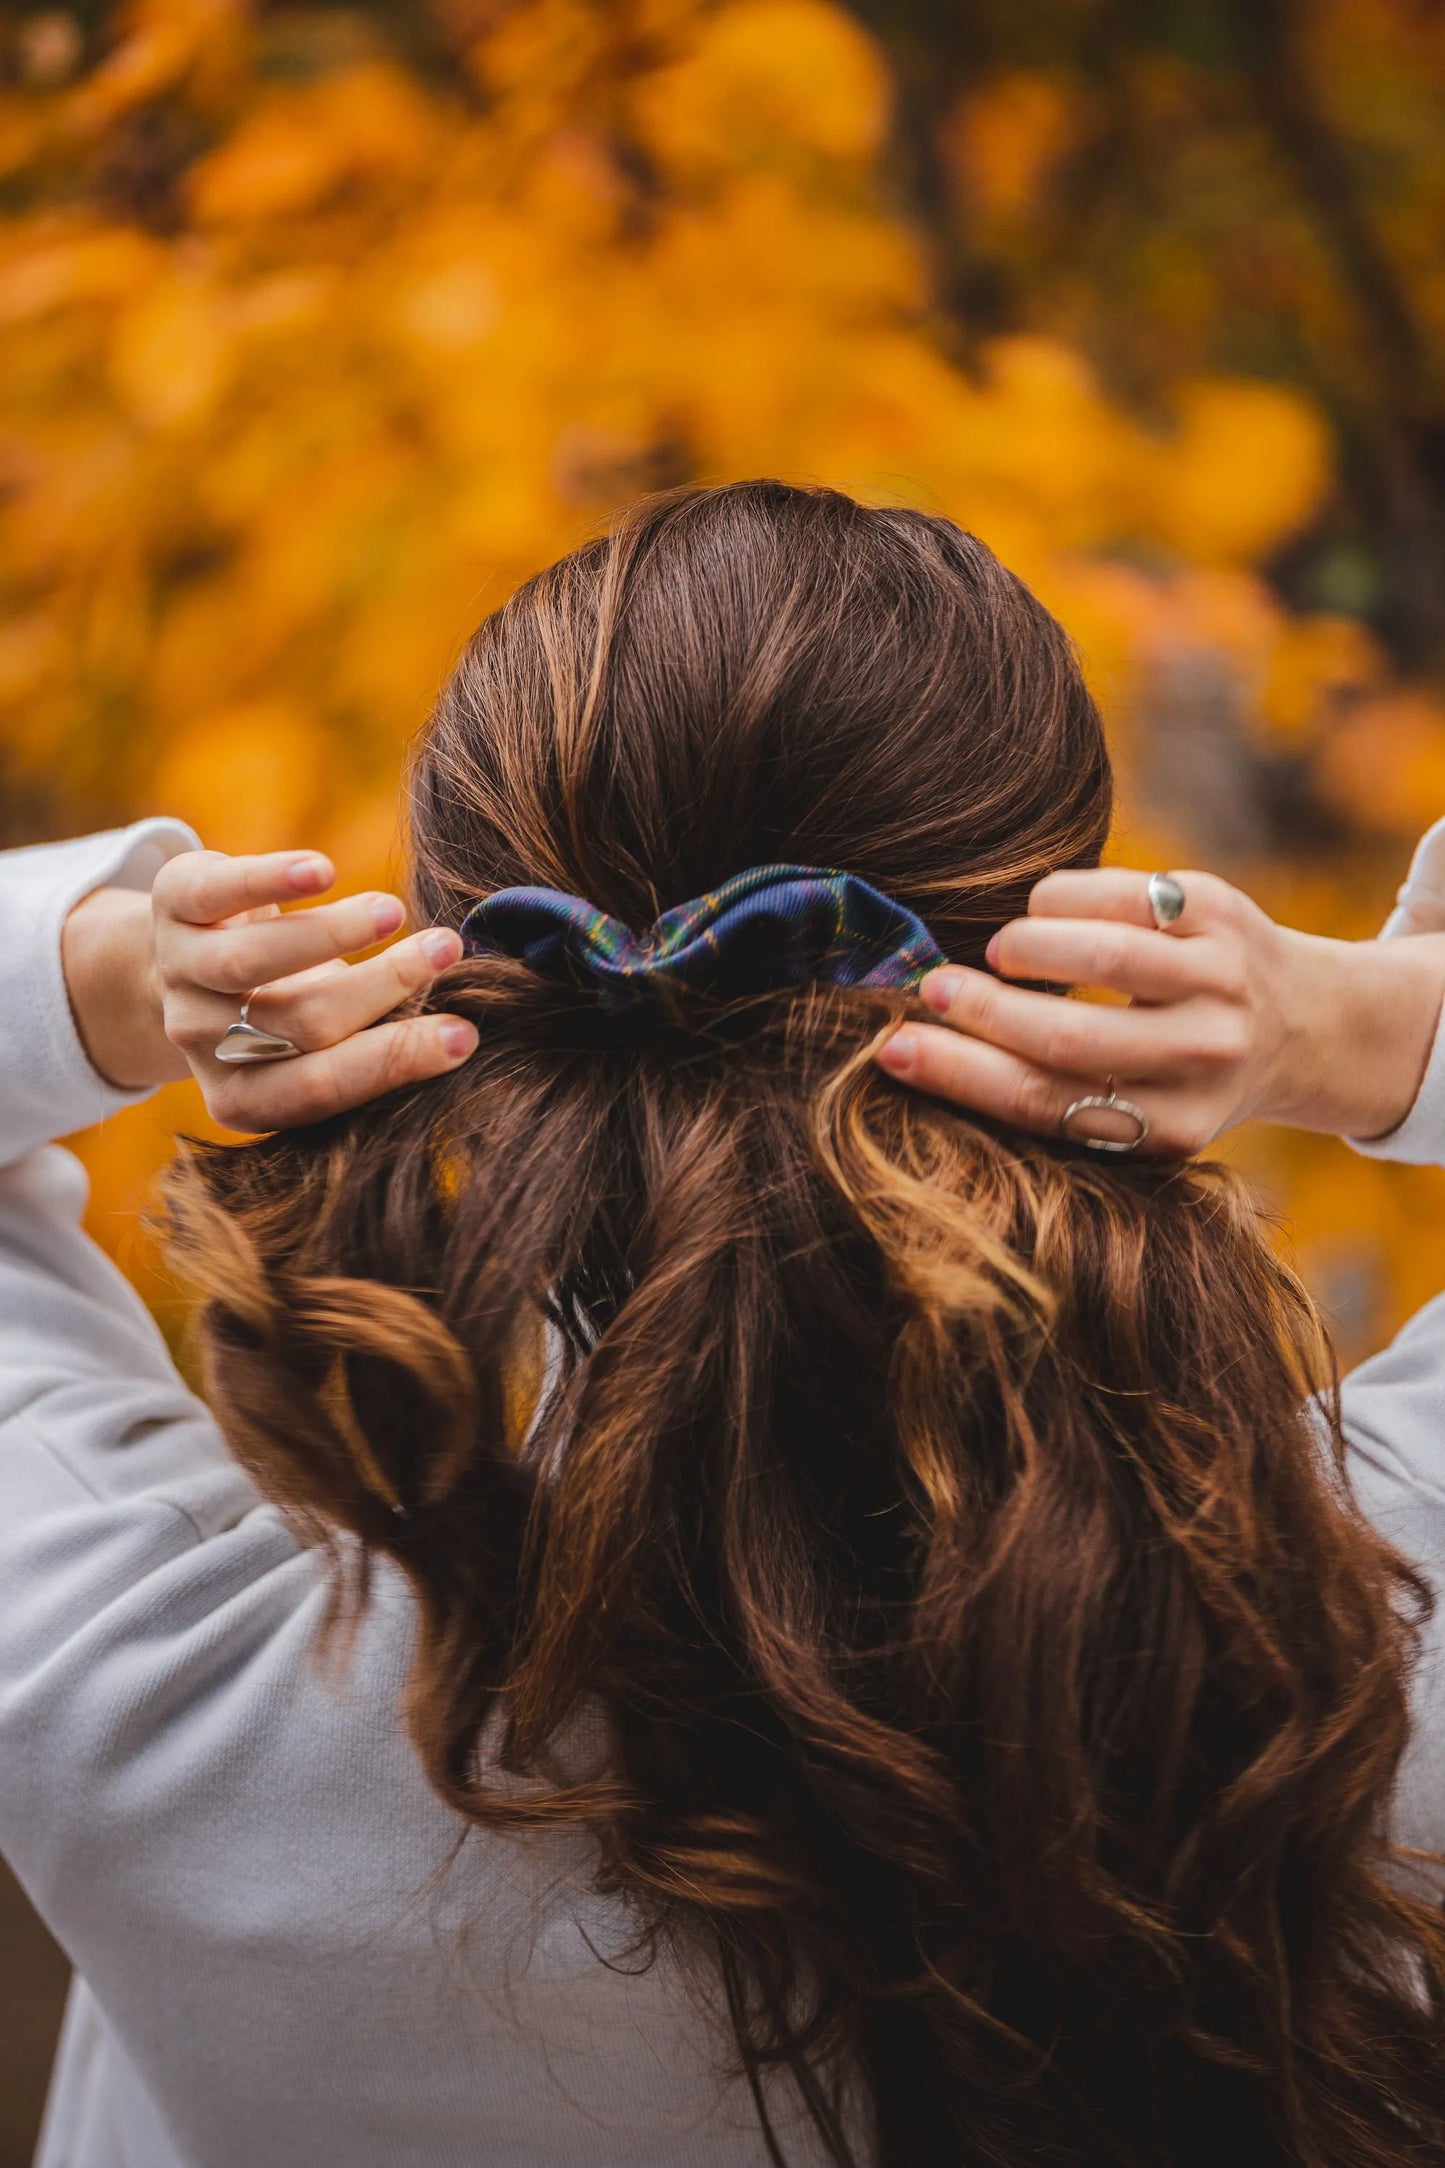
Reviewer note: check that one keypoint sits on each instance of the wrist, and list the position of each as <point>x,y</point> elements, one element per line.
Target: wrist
<point>107,954</point>
<point>1361,1021</point>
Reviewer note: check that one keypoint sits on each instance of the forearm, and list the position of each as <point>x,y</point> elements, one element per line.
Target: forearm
<point>1360,1022</point>
<point>107,955</point>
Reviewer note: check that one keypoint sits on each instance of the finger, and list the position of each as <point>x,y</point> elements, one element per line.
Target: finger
<point>320,1007</point>
<point>1081,1038</point>
<point>200,888</point>
<point>231,959</point>
<point>290,1094</point>
<point>985,1080</point>
<point>1099,952</point>
<point>1116,892</point>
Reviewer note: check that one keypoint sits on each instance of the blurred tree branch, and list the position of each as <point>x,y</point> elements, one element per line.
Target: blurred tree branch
<point>1403,423</point>
<point>1119,200</point>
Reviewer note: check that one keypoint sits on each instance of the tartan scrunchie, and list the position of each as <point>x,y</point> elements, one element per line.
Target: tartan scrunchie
<point>770,927</point>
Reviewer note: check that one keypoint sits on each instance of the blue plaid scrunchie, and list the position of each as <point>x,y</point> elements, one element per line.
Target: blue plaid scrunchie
<point>770,927</point>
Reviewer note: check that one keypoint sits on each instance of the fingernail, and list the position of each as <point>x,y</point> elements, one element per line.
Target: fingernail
<point>940,987</point>
<point>310,873</point>
<point>387,913</point>
<point>991,953</point>
<point>440,947</point>
<point>900,1052</point>
<point>459,1038</point>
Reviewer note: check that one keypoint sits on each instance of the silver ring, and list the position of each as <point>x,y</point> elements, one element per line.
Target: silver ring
<point>246,1042</point>
<point>1166,900</point>
<point>1112,1105</point>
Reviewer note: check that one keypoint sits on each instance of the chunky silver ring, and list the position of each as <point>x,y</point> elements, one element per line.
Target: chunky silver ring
<point>1166,899</point>
<point>1113,1104</point>
<point>245,1041</point>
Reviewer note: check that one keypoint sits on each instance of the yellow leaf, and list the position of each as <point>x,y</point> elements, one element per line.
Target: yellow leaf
<point>1005,138</point>
<point>169,354</point>
<point>1247,467</point>
<point>293,152</point>
<point>765,78</point>
<point>29,651</point>
<point>1384,766</point>
<point>1318,663</point>
<point>451,307</point>
<point>94,266</point>
<point>162,41</point>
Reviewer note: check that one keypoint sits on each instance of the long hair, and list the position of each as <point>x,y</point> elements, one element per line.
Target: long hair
<point>1003,1691</point>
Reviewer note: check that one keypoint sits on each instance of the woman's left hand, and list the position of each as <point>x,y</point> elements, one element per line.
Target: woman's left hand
<point>1230,1017</point>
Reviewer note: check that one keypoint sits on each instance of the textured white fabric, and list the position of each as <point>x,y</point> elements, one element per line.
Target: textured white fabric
<point>282,1960</point>
<point>281,1964</point>
<point>47,1087</point>
<point>1419,908</point>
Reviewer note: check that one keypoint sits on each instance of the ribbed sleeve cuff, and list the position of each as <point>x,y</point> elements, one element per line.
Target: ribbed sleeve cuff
<point>1419,908</point>
<point>47,1085</point>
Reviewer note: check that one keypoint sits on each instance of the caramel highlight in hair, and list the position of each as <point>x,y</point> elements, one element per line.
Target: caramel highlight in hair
<point>1004,1693</point>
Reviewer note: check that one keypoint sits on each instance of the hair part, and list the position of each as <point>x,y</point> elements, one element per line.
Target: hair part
<point>1004,1693</point>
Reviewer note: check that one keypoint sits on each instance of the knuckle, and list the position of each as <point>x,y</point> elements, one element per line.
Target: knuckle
<point>1066,1045</point>
<point>1232,1043</point>
<point>184,885</point>
<point>1185,1133</point>
<point>408,971</point>
<point>184,1024</point>
<point>312,1094</point>
<point>303,1017</point>
<point>402,1056</point>
<point>227,964</point>
<point>1033,1101</point>
<point>1229,977</point>
<point>1221,1045</point>
<point>1211,898</point>
<point>974,1008</point>
<point>330,929</point>
<point>190,1035</point>
<point>1112,952</point>
<point>1010,946</point>
<point>224,1103</point>
<point>167,884</point>
<point>981,1008</point>
<point>944,1068</point>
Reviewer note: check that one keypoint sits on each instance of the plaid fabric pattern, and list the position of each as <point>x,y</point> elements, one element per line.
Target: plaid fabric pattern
<point>772,926</point>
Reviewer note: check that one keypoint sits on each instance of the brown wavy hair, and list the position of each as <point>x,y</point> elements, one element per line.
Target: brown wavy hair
<point>1003,1690</point>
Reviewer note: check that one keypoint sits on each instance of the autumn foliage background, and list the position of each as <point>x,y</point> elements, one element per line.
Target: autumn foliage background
<point>322,327</point>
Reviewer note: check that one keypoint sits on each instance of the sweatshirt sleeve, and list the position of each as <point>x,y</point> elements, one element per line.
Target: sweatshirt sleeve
<point>1393,1412</point>
<point>132,1545</point>
<point>1393,1406</point>
<point>1419,1139</point>
<point>47,1085</point>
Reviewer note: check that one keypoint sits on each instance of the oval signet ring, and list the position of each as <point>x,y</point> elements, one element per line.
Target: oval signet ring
<point>1166,899</point>
<point>1112,1104</point>
<point>245,1041</point>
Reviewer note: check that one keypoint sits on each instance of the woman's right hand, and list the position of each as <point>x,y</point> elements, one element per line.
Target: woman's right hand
<point>154,983</point>
<point>1231,1017</point>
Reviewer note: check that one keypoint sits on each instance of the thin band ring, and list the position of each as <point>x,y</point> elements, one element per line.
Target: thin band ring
<point>1113,1104</point>
<point>247,1042</point>
<point>1166,900</point>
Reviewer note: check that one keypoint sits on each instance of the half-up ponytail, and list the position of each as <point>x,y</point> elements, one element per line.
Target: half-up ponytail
<point>1003,1695</point>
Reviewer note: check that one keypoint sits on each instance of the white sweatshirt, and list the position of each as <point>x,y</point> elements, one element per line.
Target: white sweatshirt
<point>280,1962</point>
